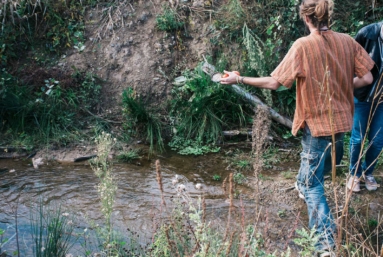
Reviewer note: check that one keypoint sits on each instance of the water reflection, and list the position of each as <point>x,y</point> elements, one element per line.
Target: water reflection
<point>74,185</point>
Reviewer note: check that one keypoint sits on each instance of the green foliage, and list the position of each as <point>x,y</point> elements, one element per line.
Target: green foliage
<point>191,147</point>
<point>217,177</point>
<point>239,178</point>
<point>54,24</point>
<point>307,241</point>
<point>270,157</point>
<point>287,174</point>
<point>49,111</point>
<point>230,19</point>
<point>243,164</point>
<point>52,231</point>
<point>88,95</point>
<point>168,20</point>
<point>141,120</point>
<point>350,16</point>
<point>128,156</point>
<point>201,109</point>
<point>2,240</point>
<point>372,223</point>
<point>285,101</point>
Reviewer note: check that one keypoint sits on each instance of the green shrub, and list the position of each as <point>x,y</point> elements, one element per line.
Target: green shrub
<point>201,109</point>
<point>168,20</point>
<point>48,111</point>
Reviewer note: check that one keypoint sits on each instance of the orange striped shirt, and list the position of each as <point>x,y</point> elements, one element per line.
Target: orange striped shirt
<point>306,62</point>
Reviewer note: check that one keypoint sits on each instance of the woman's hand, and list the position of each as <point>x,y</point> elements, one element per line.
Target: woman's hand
<point>230,77</point>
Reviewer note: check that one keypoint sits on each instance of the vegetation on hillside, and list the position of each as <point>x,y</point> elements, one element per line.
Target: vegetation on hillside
<point>43,104</point>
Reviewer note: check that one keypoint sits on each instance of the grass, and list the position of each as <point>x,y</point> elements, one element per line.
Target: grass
<point>142,121</point>
<point>129,156</point>
<point>52,231</point>
<point>169,20</point>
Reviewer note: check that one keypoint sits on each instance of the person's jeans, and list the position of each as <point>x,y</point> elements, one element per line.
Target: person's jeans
<point>315,163</point>
<point>374,136</point>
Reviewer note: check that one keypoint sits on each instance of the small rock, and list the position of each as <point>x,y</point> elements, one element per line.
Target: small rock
<point>168,62</point>
<point>144,16</point>
<point>181,187</point>
<point>37,162</point>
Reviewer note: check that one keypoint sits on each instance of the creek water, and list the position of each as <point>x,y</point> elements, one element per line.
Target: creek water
<point>138,198</point>
<point>74,187</point>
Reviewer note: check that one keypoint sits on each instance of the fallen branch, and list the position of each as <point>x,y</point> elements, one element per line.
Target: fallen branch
<point>215,76</point>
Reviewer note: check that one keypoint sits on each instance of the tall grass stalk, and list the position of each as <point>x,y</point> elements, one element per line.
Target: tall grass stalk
<point>107,186</point>
<point>52,231</point>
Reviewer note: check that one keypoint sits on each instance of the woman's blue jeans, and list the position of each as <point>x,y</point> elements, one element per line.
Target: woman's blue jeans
<point>360,162</point>
<point>315,163</point>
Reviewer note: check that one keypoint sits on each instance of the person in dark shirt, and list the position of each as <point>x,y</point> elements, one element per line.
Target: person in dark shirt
<point>368,117</point>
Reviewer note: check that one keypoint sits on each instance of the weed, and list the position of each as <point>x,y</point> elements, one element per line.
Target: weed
<point>191,147</point>
<point>243,164</point>
<point>287,174</point>
<point>307,241</point>
<point>129,156</point>
<point>168,20</point>
<point>108,186</point>
<point>239,178</point>
<point>372,223</point>
<point>270,157</point>
<point>281,213</point>
<point>217,177</point>
<point>49,112</point>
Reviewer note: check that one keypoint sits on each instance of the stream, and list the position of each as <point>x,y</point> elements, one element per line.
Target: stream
<point>74,187</point>
<point>138,198</point>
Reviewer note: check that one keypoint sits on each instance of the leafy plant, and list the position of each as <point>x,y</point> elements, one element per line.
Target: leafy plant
<point>217,177</point>
<point>239,178</point>
<point>191,147</point>
<point>50,112</point>
<point>243,164</point>
<point>168,20</point>
<point>307,241</point>
<point>200,109</point>
<point>281,213</point>
<point>270,157</point>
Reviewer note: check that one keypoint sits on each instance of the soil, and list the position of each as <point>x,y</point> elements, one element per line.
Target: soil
<point>128,50</point>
